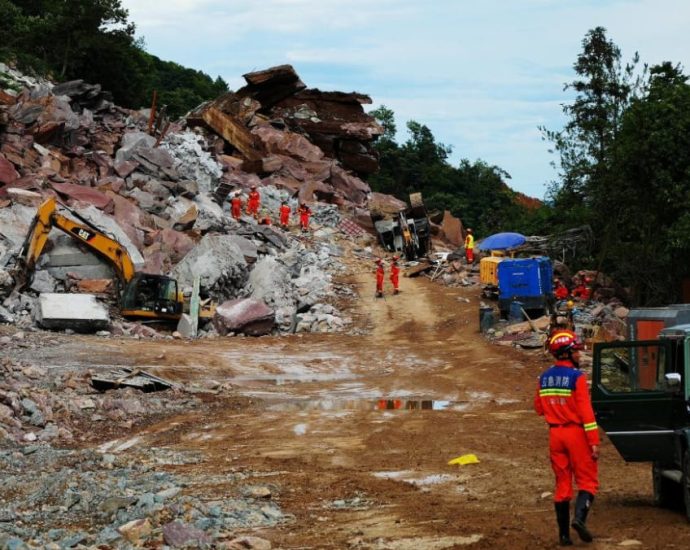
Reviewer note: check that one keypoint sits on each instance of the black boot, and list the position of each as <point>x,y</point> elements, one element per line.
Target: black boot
<point>563,518</point>
<point>582,506</point>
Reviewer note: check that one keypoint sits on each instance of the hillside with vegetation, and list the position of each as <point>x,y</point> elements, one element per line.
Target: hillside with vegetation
<point>93,40</point>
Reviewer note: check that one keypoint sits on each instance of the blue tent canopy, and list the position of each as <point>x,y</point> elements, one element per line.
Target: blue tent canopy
<point>502,241</point>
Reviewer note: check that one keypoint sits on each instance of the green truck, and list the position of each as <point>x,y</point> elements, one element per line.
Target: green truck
<point>641,398</point>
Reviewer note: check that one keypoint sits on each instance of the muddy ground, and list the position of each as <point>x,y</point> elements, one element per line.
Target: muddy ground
<point>353,432</point>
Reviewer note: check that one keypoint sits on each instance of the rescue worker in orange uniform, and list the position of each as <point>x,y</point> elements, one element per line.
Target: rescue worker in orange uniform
<point>563,399</point>
<point>379,278</point>
<point>469,247</point>
<point>560,291</point>
<point>253,202</point>
<point>284,215</point>
<point>304,215</point>
<point>395,275</point>
<point>236,205</point>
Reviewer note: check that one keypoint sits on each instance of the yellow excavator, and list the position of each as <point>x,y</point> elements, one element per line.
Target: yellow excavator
<point>141,295</point>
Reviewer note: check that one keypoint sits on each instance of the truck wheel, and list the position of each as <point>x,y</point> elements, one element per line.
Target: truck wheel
<point>667,493</point>
<point>685,482</point>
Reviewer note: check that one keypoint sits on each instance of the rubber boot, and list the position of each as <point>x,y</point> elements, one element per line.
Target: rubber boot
<point>563,518</point>
<point>582,505</point>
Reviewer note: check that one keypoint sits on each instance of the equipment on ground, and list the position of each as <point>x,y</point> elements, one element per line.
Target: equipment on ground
<point>525,281</point>
<point>408,232</point>
<point>142,295</point>
<point>640,395</point>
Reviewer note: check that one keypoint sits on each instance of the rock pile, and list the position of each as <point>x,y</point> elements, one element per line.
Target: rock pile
<point>162,197</point>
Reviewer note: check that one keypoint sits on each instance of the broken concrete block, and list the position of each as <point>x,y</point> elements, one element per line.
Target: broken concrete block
<point>42,281</point>
<point>79,312</point>
<point>246,316</point>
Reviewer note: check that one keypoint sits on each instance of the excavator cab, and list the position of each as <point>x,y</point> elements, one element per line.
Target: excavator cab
<point>151,296</point>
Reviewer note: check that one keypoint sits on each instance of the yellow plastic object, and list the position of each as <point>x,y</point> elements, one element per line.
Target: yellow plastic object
<point>464,460</point>
<point>488,270</point>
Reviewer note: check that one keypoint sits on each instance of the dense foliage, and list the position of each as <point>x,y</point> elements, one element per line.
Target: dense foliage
<point>94,41</point>
<point>473,191</point>
<point>625,160</point>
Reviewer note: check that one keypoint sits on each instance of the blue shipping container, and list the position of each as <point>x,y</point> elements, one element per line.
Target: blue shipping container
<point>527,280</point>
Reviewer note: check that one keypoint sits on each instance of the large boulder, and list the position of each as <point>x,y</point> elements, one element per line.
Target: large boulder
<point>220,264</point>
<point>271,283</point>
<point>246,316</point>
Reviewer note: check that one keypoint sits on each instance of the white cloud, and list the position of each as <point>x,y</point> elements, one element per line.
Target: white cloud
<point>481,75</point>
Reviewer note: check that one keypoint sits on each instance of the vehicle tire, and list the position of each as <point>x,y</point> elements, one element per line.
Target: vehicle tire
<point>685,482</point>
<point>667,493</point>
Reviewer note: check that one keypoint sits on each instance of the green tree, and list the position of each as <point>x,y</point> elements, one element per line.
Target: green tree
<point>650,197</point>
<point>603,90</point>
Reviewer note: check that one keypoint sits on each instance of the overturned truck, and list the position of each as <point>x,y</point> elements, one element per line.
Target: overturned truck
<point>408,231</point>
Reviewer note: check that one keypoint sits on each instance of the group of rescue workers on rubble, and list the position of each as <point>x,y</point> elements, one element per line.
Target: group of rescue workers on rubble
<point>262,216</point>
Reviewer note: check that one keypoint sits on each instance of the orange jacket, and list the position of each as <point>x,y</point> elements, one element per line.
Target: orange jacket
<point>563,398</point>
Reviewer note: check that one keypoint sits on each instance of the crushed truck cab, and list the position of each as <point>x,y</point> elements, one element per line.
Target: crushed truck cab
<point>641,398</point>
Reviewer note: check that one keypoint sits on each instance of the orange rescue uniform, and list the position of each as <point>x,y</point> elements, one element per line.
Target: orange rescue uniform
<point>284,215</point>
<point>304,214</point>
<point>395,275</point>
<point>379,279</point>
<point>563,399</point>
<point>236,207</point>
<point>253,203</point>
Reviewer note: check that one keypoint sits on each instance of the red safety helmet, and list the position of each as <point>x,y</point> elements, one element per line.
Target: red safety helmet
<point>563,342</point>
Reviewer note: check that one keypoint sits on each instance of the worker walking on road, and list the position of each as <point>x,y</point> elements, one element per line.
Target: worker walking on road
<point>469,247</point>
<point>395,274</point>
<point>563,399</point>
<point>284,215</point>
<point>236,205</point>
<point>253,202</point>
<point>379,278</point>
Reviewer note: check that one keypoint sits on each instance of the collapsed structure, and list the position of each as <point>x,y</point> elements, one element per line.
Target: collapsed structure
<point>163,196</point>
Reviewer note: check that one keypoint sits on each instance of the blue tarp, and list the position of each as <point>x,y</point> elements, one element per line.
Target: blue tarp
<point>502,241</point>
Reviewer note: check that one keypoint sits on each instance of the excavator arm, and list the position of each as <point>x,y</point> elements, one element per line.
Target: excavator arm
<point>48,217</point>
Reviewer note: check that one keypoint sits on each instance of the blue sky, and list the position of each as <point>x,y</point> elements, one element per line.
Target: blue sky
<point>482,75</point>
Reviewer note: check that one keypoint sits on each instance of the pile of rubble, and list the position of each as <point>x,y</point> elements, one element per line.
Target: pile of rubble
<point>163,197</point>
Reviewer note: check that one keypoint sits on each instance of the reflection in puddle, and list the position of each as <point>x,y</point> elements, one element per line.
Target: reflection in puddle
<point>364,405</point>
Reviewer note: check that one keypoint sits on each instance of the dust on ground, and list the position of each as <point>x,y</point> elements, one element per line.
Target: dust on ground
<point>354,431</point>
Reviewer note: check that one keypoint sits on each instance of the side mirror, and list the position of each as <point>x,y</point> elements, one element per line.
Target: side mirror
<point>673,380</point>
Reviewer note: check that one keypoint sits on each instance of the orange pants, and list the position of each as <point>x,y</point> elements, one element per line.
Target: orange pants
<point>571,456</point>
<point>253,208</point>
<point>395,280</point>
<point>304,221</point>
<point>379,283</point>
<point>236,211</point>
<point>469,255</point>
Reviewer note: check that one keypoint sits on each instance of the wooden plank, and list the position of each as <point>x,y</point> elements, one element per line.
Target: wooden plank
<point>233,132</point>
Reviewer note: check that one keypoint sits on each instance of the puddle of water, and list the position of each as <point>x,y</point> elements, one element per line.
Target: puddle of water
<point>364,405</point>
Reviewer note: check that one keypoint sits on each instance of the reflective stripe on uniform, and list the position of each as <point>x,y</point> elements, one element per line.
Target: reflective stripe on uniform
<point>591,426</point>
<point>545,392</point>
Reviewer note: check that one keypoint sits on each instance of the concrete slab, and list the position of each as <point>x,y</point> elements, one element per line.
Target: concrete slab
<point>79,312</point>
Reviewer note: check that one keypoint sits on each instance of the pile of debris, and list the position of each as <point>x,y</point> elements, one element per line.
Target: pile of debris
<point>162,197</point>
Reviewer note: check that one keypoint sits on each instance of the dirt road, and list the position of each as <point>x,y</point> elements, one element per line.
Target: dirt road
<point>353,432</point>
